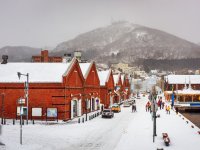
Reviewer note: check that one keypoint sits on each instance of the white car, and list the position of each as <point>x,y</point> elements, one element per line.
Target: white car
<point>126,104</point>
<point>107,113</point>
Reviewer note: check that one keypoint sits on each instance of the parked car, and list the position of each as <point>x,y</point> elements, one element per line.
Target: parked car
<point>126,104</point>
<point>116,108</point>
<point>107,113</point>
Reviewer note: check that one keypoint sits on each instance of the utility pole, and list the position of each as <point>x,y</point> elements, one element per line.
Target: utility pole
<point>2,108</point>
<point>26,92</point>
<point>154,109</point>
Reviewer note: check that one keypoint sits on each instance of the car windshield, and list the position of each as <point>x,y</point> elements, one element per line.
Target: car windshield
<point>106,110</point>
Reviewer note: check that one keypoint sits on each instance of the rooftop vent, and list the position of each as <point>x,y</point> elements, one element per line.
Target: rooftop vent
<point>5,59</point>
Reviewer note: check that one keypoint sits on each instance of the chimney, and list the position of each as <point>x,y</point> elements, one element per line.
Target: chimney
<point>5,59</point>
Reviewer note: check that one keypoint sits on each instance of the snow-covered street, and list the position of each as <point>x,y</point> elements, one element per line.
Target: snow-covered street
<point>125,131</point>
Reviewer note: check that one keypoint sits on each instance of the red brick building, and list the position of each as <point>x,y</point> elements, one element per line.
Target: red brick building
<point>55,89</point>
<point>91,87</point>
<point>106,87</point>
<point>44,57</point>
<point>118,88</point>
<point>125,87</point>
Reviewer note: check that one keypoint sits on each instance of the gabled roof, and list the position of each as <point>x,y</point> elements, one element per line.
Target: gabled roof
<point>38,72</point>
<point>116,78</point>
<point>85,68</point>
<point>104,76</point>
<point>182,79</point>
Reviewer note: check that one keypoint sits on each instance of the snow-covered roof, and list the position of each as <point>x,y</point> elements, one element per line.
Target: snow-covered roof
<point>185,92</point>
<point>38,72</point>
<point>85,67</point>
<point>188,91</point>
<point>181,79</point>
<point>104,76</point>
<point>116,78</point>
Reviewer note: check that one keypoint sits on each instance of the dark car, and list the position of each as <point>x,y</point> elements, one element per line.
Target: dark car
<point>107,113</point>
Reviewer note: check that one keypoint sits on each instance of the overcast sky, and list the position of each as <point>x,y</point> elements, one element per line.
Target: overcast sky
<point>46,23</point>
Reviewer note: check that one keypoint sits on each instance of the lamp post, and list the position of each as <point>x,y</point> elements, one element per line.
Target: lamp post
<point>154,109</point>
<point>21,101</point>
<point>26,91</point>
<point>2,107</point>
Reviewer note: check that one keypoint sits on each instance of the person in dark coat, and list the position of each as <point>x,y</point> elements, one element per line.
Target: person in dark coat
<point>132,107</point>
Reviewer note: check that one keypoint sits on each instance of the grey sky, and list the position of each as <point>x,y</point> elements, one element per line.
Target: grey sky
<point>40,23</point>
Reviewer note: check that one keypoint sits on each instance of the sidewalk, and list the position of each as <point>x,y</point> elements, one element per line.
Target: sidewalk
<point>139,134</point>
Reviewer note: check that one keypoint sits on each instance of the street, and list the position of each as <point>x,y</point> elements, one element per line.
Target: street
<point>126,131</point>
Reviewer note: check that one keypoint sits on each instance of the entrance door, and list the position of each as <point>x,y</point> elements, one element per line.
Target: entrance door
<point>93,104</point>
<point>74,108</point>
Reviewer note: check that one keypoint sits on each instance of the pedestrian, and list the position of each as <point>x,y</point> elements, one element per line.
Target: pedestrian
<point>163,104</point>
<point>159,103</point>
<point>168,109</point>
<point>132,108</point>
<point>147,106</point>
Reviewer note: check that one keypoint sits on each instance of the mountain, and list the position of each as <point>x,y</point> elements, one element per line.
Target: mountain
<point>127,42</point>
<point>19,53</point>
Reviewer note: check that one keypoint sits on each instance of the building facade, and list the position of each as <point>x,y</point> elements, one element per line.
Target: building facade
<point>44,57</point>
<point>106,88</point>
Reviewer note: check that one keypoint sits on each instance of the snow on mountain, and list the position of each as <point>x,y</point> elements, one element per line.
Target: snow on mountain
<point>124,41</point>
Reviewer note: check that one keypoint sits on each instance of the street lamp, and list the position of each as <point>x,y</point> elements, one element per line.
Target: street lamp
<point>154,110</point>
<point>26,91</point>
<point>2,108</point>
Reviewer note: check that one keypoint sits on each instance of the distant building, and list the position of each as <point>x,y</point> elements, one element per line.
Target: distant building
<point>67,58</point>
<point>119,65</point>
<point>44,57</point>
<point>78,55</point>
<point>155,72</point>
<point>178,82</point>
<point>197,72</point>
<point>124,68</point>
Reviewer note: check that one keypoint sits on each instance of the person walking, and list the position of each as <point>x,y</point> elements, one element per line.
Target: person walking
<point>159,103</point>
<point>168,109</point>
<point>132,107</point>
<point>147,106</point>
<point>163,104</point>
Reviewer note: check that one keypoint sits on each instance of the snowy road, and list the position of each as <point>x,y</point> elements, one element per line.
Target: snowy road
<point>99,133</point>
<point>106,133</point>
<point>126,131</point>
